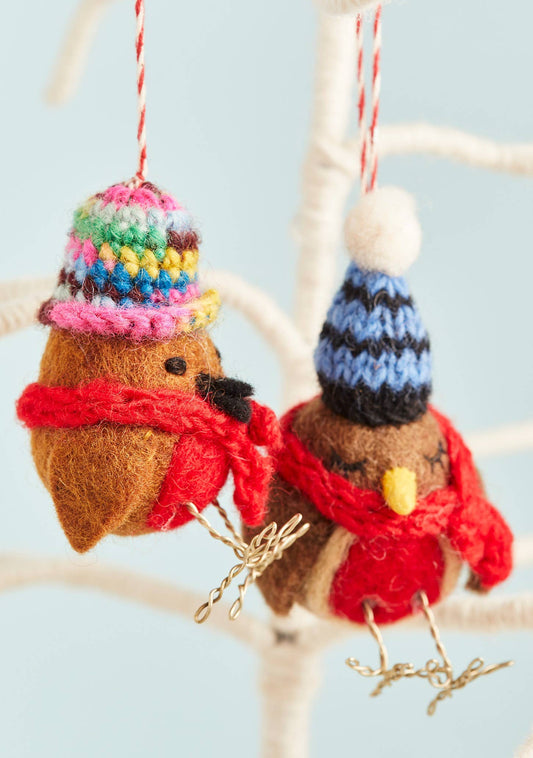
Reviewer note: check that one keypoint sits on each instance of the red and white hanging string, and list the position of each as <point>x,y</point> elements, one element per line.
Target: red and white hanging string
<point>141,94</point>
<point>368,134</point>
<point>361,99</point>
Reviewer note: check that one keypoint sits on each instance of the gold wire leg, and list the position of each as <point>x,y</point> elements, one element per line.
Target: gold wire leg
<point>441,676</point>
<point>265,548</point>
<point>376,634</point>
<point>438,673</point>
<point>389,675</point>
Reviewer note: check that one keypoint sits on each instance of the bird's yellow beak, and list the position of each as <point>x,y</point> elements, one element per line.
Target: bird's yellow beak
<point>399,490</point>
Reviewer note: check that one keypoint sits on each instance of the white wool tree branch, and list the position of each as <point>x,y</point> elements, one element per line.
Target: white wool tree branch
<point>18,571</point>
<point>462,612</point>
<point>502,440</point>
<point>75,50</point>
<point>275,327</point>
<point>18,313</point>
<point>289,680</point>
<point>319,220</point>
<point>523,551</point>
<point>19,288</point>
<point>484,615</point>
<point>346,7</point>
<point>526,750</point>
<point>445,142</point>
<point>20,300</point>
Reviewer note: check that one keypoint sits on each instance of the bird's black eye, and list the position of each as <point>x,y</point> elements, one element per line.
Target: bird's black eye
<point>347,468</point>
<point>434,460</point>
<point>217,351</point>
<point>176,366</point>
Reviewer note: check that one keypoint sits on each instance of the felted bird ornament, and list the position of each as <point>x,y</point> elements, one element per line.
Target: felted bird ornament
<point>132,416</point>
<point>395,503</point>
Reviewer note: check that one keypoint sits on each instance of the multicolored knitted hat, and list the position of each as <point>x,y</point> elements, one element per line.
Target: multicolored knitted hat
<point>130,268</point>
<point>373,358</point>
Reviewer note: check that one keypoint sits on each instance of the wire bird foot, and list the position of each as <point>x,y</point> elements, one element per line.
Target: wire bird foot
<point>438,673</point>
<point>473,671</point>
<point>254,557</point>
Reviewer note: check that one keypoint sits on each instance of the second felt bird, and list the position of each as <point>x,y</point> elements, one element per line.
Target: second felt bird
<point>387,483</point>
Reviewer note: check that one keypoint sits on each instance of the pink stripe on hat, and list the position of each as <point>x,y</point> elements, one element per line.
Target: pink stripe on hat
<point>192,292</point>
<point>135,323</point>
<point>74,246</point>
<point>90,253</point>
<point>121,195</point>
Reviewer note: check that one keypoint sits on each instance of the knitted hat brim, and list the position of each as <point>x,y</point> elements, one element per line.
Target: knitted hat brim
<point>135,322</point>
<point>373,408</point>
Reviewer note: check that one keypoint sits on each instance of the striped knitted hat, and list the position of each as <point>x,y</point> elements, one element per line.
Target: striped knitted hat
<point>373,358</point>
<point>130,268</point>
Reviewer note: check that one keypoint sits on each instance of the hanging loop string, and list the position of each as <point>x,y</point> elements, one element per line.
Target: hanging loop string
<point>376,93</point>
<point>141,94</point>
<point>368,135</point>
<point>361,100</point>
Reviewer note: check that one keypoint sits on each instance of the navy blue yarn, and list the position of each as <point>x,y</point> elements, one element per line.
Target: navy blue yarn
<point>375,348</point>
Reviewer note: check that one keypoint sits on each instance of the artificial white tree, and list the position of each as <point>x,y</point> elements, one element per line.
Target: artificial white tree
<point>290,649</point>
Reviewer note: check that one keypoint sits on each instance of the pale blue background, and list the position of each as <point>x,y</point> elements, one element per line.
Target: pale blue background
<point>229,91</point>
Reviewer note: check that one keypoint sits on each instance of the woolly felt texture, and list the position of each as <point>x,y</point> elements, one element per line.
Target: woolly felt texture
<point>102,483</point>
<point>393,557</point>
<point>130,268</point>
<point>373,358</point>
<point>318,585</point>
<point>72,358</point>
<point>382,232</point>
<point>363,455</point>
<point>194,423</point>
<point>122,453</point>
<point>228,395</point>
<point>283,583</point>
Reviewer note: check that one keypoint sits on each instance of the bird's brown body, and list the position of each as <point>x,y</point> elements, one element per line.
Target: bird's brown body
<point>132,418</point>
<point>105,479</point>
<point>306,574</point>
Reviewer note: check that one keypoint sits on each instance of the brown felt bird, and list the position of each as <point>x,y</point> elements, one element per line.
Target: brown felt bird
<point>390,489</point>
<point>132,416</point>
<point>401,463</point>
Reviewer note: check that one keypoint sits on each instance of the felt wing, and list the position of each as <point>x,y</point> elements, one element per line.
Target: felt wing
<point>283,583</point>
<point>481,536</point>
<point>102,479</point>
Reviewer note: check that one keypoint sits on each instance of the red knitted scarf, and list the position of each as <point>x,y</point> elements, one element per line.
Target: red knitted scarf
<point>364,512</point>
<point>232,444</point>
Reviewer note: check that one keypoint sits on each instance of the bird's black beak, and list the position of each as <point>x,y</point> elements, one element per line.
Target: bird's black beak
<point>228,395</point>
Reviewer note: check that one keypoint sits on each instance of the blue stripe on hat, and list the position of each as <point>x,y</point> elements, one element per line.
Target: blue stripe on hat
<point>375,311</point>
<point>340,365</point>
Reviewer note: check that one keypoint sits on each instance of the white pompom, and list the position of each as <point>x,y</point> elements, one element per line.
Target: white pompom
<point>382,232</point>
<point>346,7</point>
